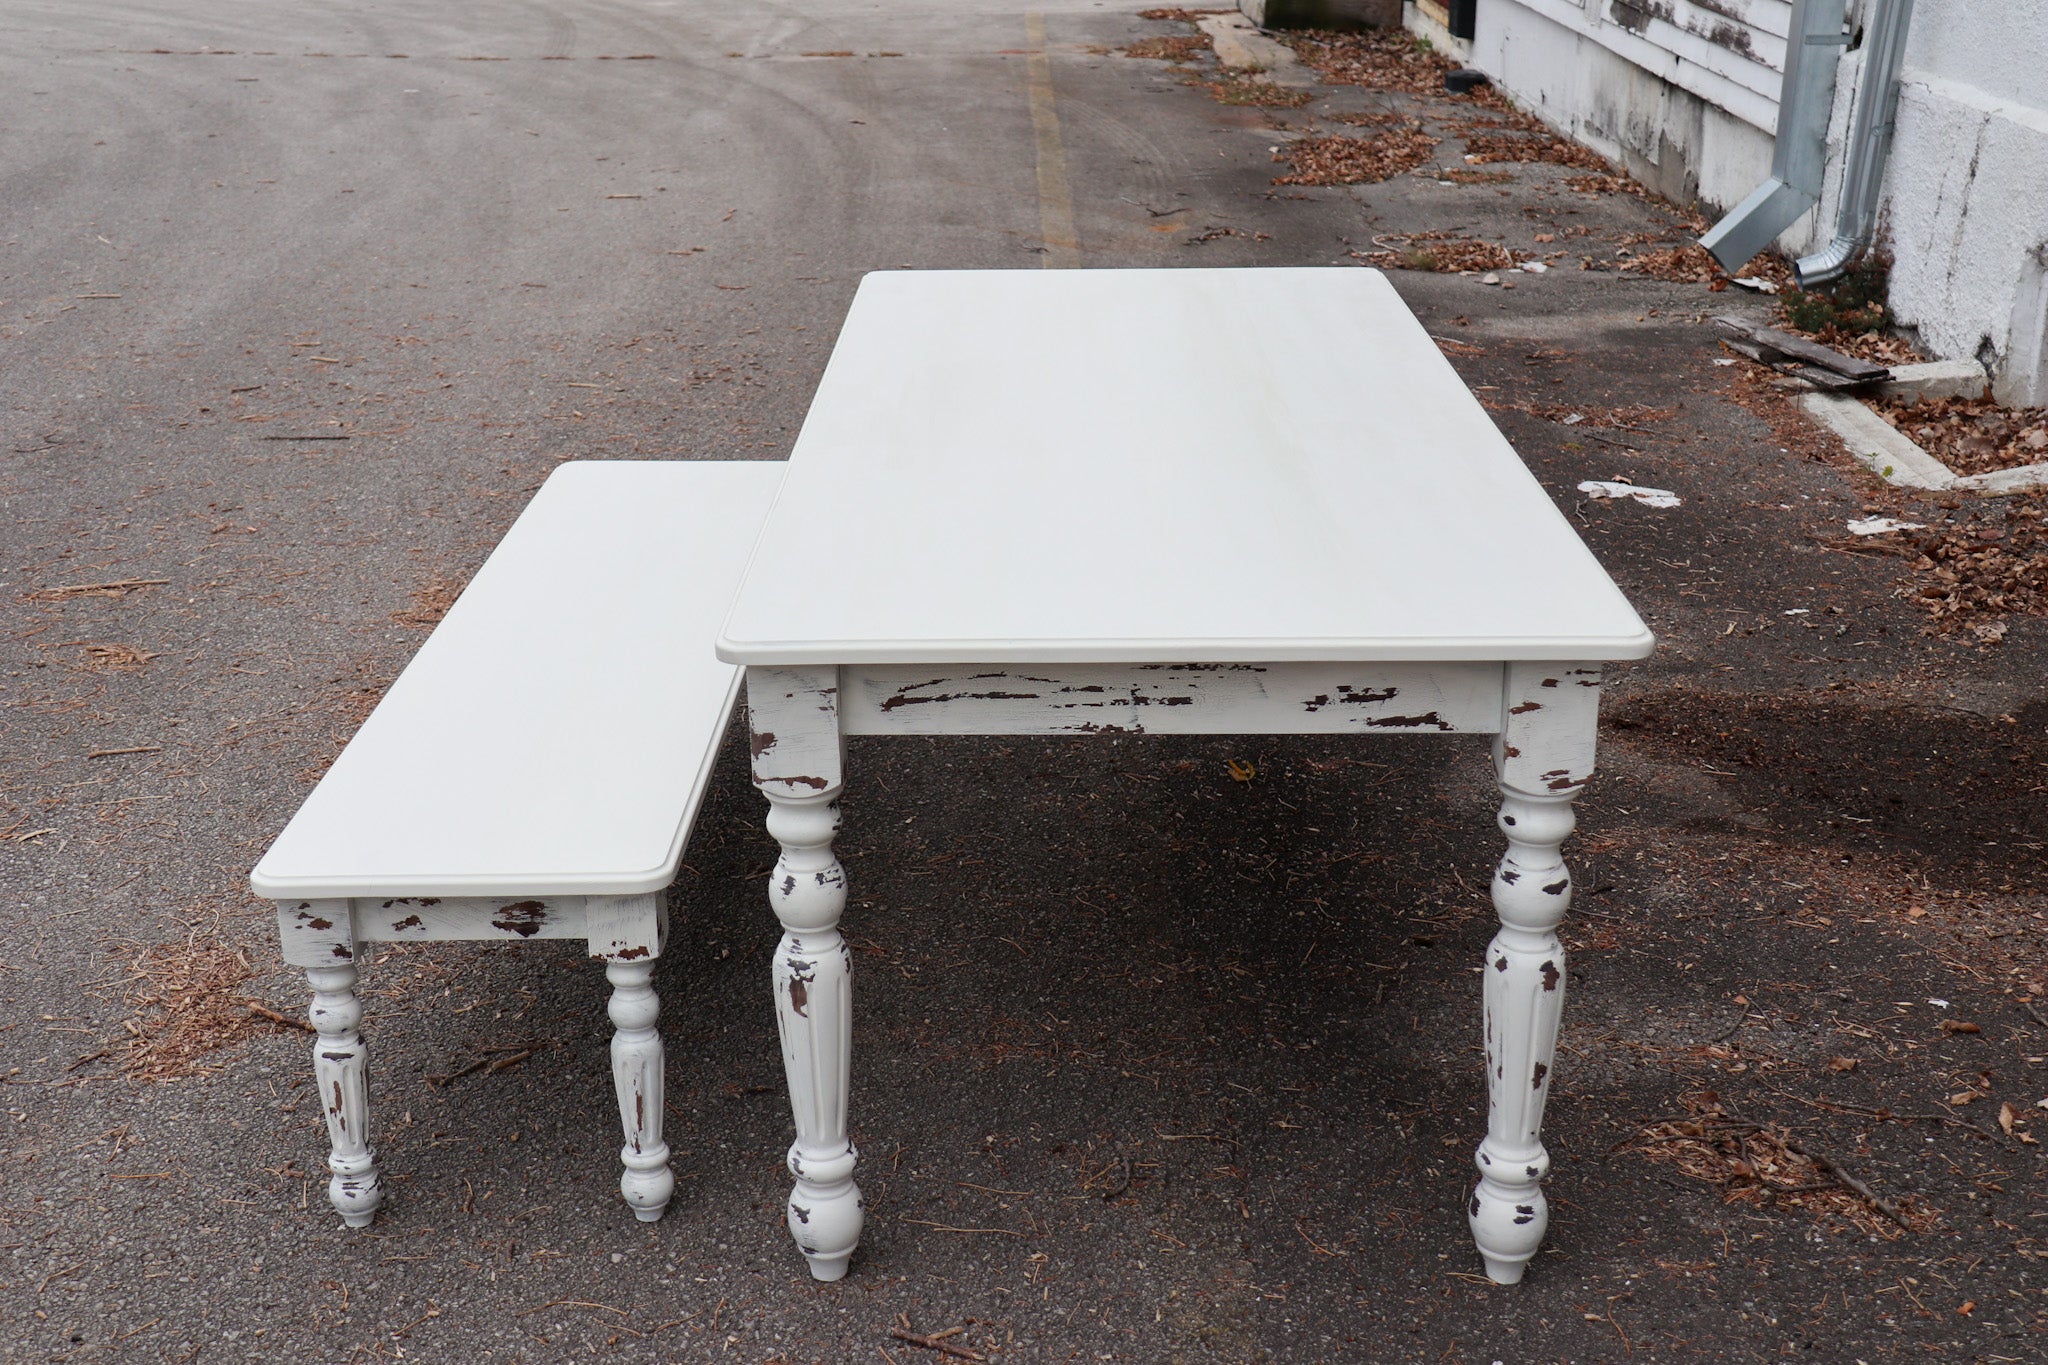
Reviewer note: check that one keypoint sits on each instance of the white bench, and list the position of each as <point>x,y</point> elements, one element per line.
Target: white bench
<point>533,773</point>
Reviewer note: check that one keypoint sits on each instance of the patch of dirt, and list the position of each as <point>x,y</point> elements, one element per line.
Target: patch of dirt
<point>1687,264</point>
<point>429,604</point>
<point>1383,59</point>
<point>1762,1165</point>
<point>1218,231</point>
<point>1984,568</point>
<point>1463,177</point>
<point>1185,16</point>
<point>1616,183</point>
<point>104,658</point>
<point>1443,251</point>
<point>1627,418</point>
<point>1365,118</point>
<point>1849,314</point>
<point>1604,184</point>
<point>1882,348</point>
<point>1259,94</point>
<point>1545,146</point>
<point>1969,572</point>
<point>1971,435</point>
<point>1178,49</point>
<point>1845,776</point>
<point>1768,265</point>
<point>1332,159</point>
<point>188,1004</point>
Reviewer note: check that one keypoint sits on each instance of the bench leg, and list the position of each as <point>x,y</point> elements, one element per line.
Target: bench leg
<point>340,1065</point>
<point>637,1062</point>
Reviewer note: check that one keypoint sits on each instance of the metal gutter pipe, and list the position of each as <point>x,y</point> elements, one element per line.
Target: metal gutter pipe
<point>1870,140</point>
<point>1805,102</point>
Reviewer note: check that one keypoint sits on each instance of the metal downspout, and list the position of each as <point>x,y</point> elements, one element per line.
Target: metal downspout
<point>1799,161</point>
<point>1870,140</point>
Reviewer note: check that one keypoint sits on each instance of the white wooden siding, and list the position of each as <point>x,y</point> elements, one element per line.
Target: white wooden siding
<point>1730,53</point>
<point>1741,40</point>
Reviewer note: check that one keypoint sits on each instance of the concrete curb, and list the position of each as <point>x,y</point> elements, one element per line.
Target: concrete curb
<point>1937,379</point>
<point>1877,443</point>
<point>1893,456</point>
<point>1241,47</point>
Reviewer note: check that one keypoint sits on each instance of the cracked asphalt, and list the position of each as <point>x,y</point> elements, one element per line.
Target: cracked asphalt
<point>298,306</point>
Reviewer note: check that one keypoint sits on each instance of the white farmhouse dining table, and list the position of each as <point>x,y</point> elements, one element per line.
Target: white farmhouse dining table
<point>1164,502</point>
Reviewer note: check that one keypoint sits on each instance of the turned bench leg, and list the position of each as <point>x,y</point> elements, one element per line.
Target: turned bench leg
<point>341,1066</point>
<point>637,1062</point>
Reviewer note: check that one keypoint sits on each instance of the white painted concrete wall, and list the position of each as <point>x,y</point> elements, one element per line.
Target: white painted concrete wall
<point>1966,206</point>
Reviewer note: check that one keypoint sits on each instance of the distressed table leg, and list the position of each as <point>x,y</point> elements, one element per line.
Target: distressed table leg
<point>341,1066</point>
<point>637,1064</point>
<point>793,716</point>
<point>1543,756</point>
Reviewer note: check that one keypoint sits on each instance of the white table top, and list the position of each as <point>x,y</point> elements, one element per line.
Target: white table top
<point>554,734</point>
<point>1158,465</point>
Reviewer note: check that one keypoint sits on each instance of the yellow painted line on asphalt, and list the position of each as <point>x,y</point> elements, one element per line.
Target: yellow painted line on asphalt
<point>1055,202</point>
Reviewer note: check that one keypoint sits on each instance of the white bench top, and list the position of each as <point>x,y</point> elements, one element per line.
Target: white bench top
<point>1153,466</point>
<point>554,734</point>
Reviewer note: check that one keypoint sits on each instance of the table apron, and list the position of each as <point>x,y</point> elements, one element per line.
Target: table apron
<point>1170,699</point>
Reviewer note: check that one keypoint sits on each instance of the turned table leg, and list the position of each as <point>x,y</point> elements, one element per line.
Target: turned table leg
<point>637,1062</point>
<point>340,1068</point>
<point>1543,756</point>
<point>797,765</point>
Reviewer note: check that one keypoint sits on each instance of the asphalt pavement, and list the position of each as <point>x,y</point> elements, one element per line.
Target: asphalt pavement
<point>299,304</point>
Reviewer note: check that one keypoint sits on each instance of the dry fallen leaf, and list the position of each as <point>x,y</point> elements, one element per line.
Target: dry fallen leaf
<point>1842,1064</point>
<point>2007,1116</point>
<point>1240,770</point>
<point>1958,1026</point>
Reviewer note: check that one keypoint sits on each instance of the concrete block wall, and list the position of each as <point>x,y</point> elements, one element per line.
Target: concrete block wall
<point>1966,191</point>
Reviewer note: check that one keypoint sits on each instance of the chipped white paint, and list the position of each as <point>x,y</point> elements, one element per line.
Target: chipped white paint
<point>1542,759</point>
<point>1170,699</point>
<point>341,1073</point>
<point>331,938</point>
<point>518,783</point>
<point>794,723</point>
<point>1648,497</point>
<point>1021,510</point>
<point>1548,725</point>
<point>1525,981</point>
<point>1244,502</point>
<point>637,1065</point>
